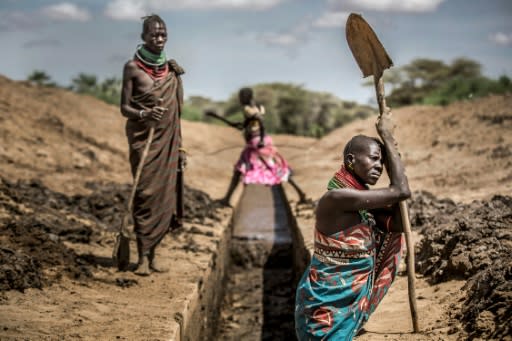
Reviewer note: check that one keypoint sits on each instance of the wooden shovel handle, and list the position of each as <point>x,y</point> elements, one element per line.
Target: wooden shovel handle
<point>404,212</point>
<point>411,276</point>
<point>379,90</point>
<point>228,122</point>
<point>140,166</point>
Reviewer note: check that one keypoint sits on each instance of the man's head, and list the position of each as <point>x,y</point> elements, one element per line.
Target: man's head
<point>363,157</point>
<point>154,33</point>
<point>245,96</point>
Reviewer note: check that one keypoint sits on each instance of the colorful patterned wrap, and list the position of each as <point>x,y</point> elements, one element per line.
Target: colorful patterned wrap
<point>264,166</point>
<point>349,274</point>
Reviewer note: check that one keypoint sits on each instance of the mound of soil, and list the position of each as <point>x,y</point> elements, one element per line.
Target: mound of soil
<point>38,222</point>
<point>487,311</point>
<point>108,200</point>
<point>473,242</point>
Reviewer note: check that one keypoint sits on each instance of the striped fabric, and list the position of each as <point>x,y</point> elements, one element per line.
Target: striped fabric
<point>155,203</point>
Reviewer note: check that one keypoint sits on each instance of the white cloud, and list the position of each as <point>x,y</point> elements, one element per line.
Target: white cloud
<point>126,9</point>
<point>135,9</point>
<point>501,38</point>
<point>225,4</point>
<point>66,11</point>
<point>280,39</point>
<point>18,21</point>
<point>289,40</point>
<point>331,19</point>
<point>388,5</point>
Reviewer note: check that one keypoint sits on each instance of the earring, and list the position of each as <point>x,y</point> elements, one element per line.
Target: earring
<point>350,166</point>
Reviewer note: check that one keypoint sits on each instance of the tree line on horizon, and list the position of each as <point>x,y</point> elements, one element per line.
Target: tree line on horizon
<point>108,90</point>
<point>292,109</point>
<point>433,82</point>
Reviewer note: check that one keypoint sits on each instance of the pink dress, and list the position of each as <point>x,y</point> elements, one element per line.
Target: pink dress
<point>264,166</point>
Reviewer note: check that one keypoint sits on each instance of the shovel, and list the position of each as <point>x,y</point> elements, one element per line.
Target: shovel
<point>121,252</point>
<point>373,59</point>
<point>228,122</point>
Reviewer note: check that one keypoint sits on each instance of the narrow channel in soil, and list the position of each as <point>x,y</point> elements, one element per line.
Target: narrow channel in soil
<point>259,294</point>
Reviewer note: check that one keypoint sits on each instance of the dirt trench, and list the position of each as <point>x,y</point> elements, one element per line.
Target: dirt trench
<point>40,225</point>
<point>45,236</point>
<point>259,295</point>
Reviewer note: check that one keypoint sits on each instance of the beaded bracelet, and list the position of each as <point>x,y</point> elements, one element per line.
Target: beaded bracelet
<point>140,114</point>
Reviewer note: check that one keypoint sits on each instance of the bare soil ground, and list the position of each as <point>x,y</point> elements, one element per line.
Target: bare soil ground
<point>75,145</point>
<point>462,151</point>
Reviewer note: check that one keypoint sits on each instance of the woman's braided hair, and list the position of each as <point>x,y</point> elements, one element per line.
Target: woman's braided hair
<point>149,20</point>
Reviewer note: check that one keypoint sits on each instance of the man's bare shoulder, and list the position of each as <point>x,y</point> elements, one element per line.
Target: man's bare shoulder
<point>334,197</point>
<point>130,65</point>
<point>130,69</point>
<point>323,201</point>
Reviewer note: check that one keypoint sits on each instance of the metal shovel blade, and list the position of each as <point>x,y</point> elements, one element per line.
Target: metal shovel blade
<point>368,51</point>
<point>121,252</point>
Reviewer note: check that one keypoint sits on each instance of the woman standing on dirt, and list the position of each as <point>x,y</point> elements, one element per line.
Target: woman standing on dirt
<point>358,241</point>
<point>152,95</point>
<point>259,162</point>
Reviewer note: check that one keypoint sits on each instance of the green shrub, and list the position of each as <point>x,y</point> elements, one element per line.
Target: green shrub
<point>190,113</point>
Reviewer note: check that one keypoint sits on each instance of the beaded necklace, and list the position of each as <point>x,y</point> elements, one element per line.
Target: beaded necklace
<point>155,65</point>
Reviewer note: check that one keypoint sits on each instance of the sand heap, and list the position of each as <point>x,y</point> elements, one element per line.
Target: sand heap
<point>40,224</point>
<point>473,242</point>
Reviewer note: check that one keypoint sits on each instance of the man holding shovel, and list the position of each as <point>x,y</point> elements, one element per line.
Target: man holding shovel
<point>358,232</point>
<point>151,100</point>
<point>358,241</point>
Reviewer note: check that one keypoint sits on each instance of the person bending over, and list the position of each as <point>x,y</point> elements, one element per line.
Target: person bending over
<point>358,240</point>
<point>259,162</point>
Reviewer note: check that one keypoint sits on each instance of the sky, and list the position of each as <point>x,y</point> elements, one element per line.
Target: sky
<point>227,44</point>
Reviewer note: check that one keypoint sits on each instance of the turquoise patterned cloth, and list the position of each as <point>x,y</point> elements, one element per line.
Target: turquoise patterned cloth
<point>349,274</point>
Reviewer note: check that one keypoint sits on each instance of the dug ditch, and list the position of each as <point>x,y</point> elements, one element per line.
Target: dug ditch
<point>226,283</point>
<point>259,296</point>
